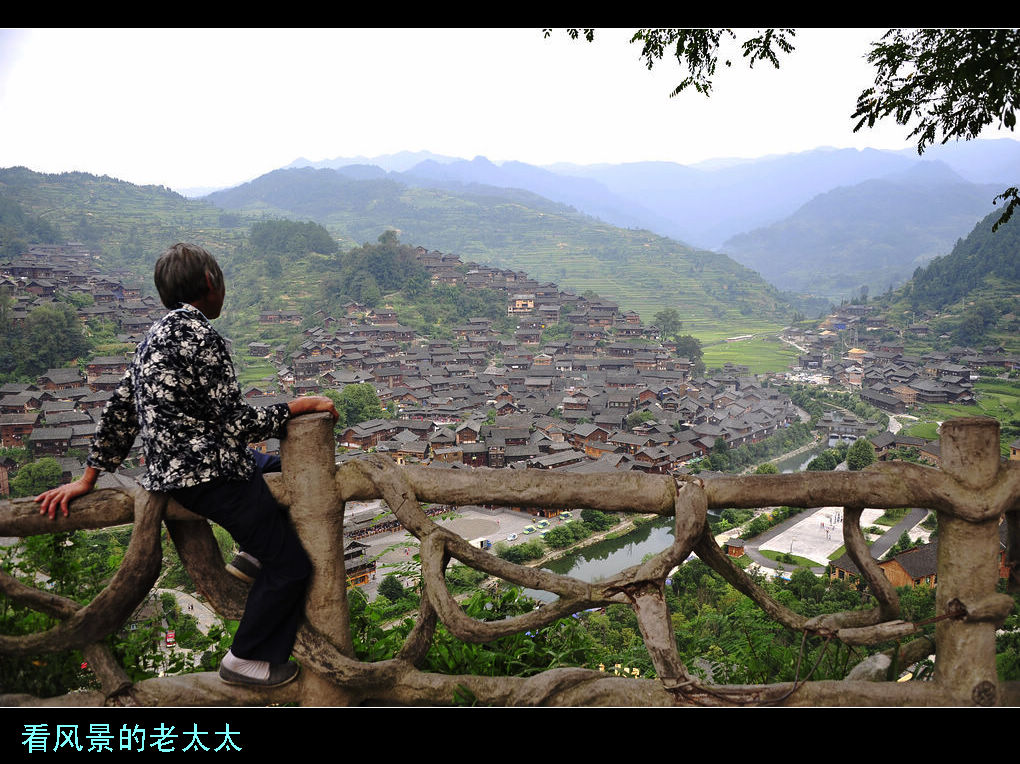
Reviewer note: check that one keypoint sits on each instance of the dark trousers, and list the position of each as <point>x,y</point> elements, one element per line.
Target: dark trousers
<point>262,528</point>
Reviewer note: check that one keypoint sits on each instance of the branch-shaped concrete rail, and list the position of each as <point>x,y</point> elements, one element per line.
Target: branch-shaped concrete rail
<point>971,493</point>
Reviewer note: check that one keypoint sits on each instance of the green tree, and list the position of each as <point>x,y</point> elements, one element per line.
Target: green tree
<point>564,535</point>
<point>355,404</point>
<point>36,477</point>
<point>903,543</point>
<point>76,565</point>
<point>824,462</point>
<point>360,403</point>
<point>50,337</point>
<point>638,417</point>
<point>860,455</point>
<point>688,346</point>
<point>368,272</point>
<point>697,50</point>
<point>291,238</point>
<point>519,553</point>
<point>669,322</point>
<point>416,285</point>
<point>768,468</point>
<point>597,520</point>
<point>391,588</point>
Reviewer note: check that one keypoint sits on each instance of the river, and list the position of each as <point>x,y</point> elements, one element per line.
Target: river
<point>607,558</point>
<point>799,462</point>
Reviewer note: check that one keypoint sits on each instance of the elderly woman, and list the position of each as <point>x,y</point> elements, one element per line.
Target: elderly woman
<point>180,394</point>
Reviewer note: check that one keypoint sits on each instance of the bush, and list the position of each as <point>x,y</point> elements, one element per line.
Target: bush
<point>529,550</point>
<point>564,535</point>
<point>462,578</point>
<point>762,523</point>
<point>598,521</point>
<point>391,588</point>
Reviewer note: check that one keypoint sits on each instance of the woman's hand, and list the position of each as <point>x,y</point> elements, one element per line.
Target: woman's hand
<point>311,404</point>
<point>63,495</point>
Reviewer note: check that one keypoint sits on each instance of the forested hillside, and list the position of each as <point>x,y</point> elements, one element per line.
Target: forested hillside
<point>972,294</point>
<point>983,260</point>
<point>18,229</point>
<point>519,230</point>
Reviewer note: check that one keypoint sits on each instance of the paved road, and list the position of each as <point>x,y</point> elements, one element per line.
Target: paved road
<point>892,535</point>
<point>191,605</point>
<point>817,533</point>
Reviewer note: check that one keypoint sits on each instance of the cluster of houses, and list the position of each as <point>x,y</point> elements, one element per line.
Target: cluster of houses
<point>34,278</point>
<point>881,372</point>
<point>596,401</point>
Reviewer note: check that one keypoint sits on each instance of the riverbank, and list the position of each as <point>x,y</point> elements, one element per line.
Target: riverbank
<point>782,457</point>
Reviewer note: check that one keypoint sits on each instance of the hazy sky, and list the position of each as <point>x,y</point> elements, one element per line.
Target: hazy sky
<point>187,108</point>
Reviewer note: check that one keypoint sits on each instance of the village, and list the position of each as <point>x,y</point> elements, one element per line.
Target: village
<point>615,396</point>
<point>481,401</point>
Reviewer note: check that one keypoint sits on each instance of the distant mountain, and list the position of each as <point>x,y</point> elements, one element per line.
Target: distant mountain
<point>521,230</point>
<point>399,162</point>
<point>874,233</point>
<point>709,204</point>
<point>704,204</point>
<point>985,161</point>
<point>586,195</point>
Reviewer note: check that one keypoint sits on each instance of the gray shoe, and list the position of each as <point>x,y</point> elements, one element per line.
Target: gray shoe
<point>279,675</point>
<point>244,567</point>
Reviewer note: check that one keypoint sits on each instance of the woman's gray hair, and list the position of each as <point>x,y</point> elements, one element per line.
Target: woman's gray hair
<point>181,271</point>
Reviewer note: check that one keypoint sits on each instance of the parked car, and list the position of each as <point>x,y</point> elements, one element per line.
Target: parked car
<point>528,529</point>
<point>542,523</point>
<point>512,537</point>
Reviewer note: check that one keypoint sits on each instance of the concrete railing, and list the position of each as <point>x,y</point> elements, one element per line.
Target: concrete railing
<point>972,492</point>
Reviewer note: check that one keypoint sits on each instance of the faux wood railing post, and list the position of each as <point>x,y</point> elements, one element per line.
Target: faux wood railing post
<point>967,565</point>
<point>309,469</point>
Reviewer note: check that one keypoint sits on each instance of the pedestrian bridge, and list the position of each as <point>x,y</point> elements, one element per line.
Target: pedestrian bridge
<point>971,493</point>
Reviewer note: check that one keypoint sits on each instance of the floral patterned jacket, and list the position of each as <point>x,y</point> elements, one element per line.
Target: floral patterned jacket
<point>181,395</point>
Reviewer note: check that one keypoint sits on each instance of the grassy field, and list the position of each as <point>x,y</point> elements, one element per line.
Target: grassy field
<point>712,332</point>
<point>927,430</point>
<point>799,561</point>
<point>761,354</point>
